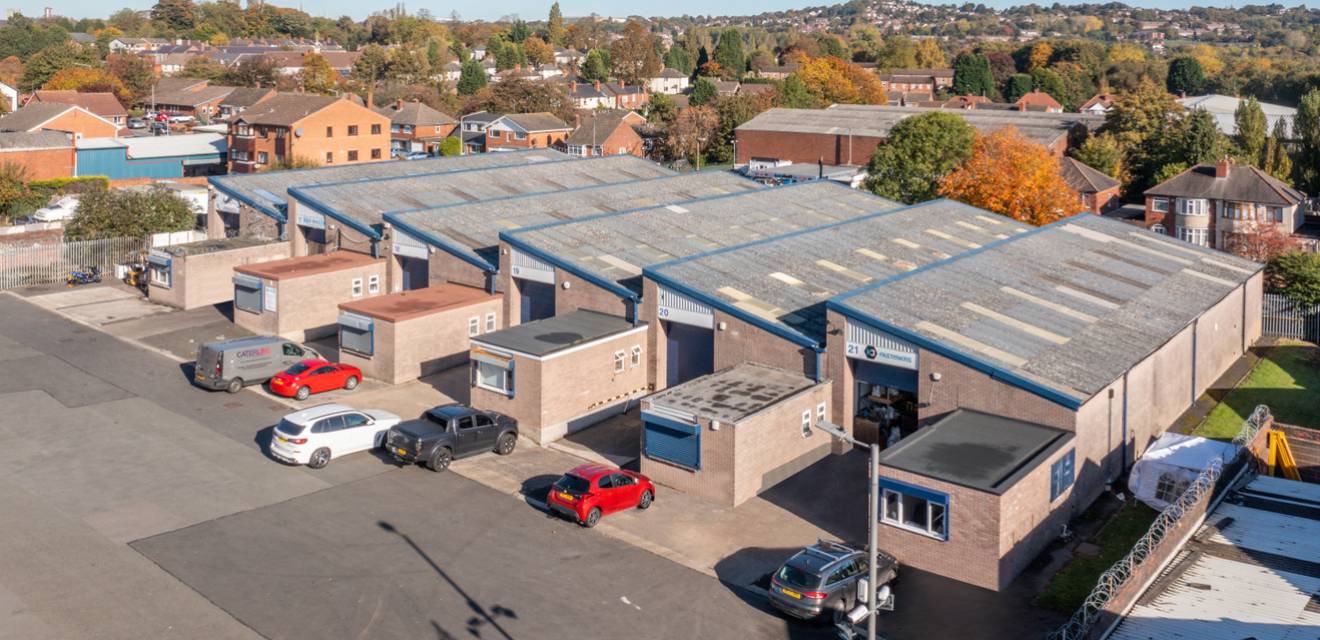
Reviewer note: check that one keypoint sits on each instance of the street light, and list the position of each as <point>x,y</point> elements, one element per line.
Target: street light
<point>869,609</point>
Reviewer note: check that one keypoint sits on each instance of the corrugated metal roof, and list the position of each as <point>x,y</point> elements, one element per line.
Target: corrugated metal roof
<point>1251,572</point>
<point>876,120</point>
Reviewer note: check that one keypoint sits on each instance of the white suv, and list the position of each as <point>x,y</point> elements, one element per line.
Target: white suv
<point>314,436</point>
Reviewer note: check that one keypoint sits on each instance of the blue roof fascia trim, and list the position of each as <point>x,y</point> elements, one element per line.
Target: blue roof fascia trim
<point>784,332</point>
<point>620,290</point>
<point>279,216</point>
<point>993,370</point>
<point>426,174</point>
<point>940,263</point>
<point>462,253</point>
<point>320,207</point>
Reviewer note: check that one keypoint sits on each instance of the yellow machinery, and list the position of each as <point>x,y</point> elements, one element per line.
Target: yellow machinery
<point>1278,458</point>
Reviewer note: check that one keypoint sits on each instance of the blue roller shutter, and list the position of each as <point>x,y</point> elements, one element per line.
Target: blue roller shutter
<point>672,441</point>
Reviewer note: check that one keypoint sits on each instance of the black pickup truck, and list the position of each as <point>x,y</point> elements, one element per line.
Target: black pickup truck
<point>451,431</point>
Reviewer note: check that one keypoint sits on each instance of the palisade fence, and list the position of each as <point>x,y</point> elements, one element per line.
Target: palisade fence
<point>1286,319</point>
<point>1120,586</point>
<point>51,262</point>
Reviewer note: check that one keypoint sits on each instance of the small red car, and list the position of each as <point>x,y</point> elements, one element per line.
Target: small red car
<point>592,490</point>
<point>314,376</point>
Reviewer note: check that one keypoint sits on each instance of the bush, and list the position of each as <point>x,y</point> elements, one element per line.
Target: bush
<point>451,147</point>
<point>129,213</point>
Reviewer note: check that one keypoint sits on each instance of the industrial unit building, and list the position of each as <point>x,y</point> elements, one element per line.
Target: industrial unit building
<point>298,298</point>
<point>197,274</point>
<point>175,156</point>
<point>849,134</point>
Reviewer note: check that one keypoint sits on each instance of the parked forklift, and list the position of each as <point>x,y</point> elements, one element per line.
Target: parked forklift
<point>135,275</point>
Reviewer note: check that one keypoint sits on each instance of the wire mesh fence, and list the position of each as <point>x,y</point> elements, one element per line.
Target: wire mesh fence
<point>1286,319</point>
<point>50,263</point>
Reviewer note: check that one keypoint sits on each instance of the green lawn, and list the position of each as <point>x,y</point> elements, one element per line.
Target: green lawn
<point>1287,379</point>
<point>1070,586</point>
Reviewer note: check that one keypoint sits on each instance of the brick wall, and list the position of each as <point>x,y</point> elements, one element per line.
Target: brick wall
<point>421,346</point>
<point>41,164</point>
<point>82,123</point>
<point>805,147</point>
<point>255,224</point>
<point>308,307</point>
<point>582,294</point>
<point>443,267</point>
<point>208,278</point>
<point>1029,521</point>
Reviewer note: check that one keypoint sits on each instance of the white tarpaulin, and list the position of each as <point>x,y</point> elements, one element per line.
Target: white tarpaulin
<point>1171,464</point>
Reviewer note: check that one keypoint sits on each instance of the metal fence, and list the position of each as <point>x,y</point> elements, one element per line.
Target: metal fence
<point>1283,318</point>
<point>49,263</point>
<point>1113,588</point>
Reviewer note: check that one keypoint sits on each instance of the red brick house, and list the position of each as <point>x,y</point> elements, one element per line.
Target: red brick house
<point>1206,204</point>
<point>917,80</point>
<point>628,96</point>
<point>416,127</point>
<point>606,133</point>
<point>540,130</point>
<point>1099,192</point>
<point>1038,101</point>
<point>103,104</point>
<point>56,116</point>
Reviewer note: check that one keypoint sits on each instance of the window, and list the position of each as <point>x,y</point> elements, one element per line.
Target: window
<point>619,360</point>
<point>373,284</point>
<point>352,155</point>
<point>490,322</point>
<point>355,420</point>
<point>605,482</point>
<point>520,136</point>
<point>262,157</point>
<point>1159,228</point>
<point>820,413</point>
<point>1193,236</point>
<point>357,287</point>
<point>1159,205</point>
<point>352,129</point>
<point>635,359</point>
<point>160,275</point>
<point>466,423</point>
<point>1236,210</point>
<point>375,154</point>
<point>1192,206</point>
<point>483,420</point>
<point>407,128</point>
<point>806,424</point>
<point>375,129</point>
<point>474,326</point>
<point>494,133</point>
<point>494,377</point>
<point>291,349</point>
<point>913,508</point>
<point>1170,487</point>
<point>329,132</point>
<point>394,128</point>
<point>1276,214</point>
<point>1062,474</point>
<point>329,157</point>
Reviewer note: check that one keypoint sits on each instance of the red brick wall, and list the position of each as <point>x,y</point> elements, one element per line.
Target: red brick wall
<point>42,164</point>
<point>804,147</point>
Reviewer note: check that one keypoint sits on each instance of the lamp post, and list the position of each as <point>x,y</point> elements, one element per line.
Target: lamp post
<point>701,141</point>
<point>871,607</point>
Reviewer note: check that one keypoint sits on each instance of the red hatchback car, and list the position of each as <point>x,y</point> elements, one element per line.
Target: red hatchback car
<point>592,490</point>
<point>314,376</point>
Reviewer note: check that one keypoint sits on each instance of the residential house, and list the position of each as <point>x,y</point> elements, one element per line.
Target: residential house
<point>668,81</point>
<point>526,131</point>
<point>8,98</point>
<point>1099,104</point>
<point>57,116</point>
<point>726,87</point>
<point>472,129</point>
<point>589,95</point>
<point>290,63</point>
<point>606,132</point>
<point>1209,203</point>
<point>42,154</point>
<point>243,98</point>
<point>569,57</point>
<point>451,71</point>
<point>416,127</point>
<point>627,96</point>
<point>200,101</point>
<point>103,104</point>
<point>917,80</point>
<point>1098,192</point>
<point>1038,101</point>
<point>548,70</point>
<point>778,72</point>
<point>965,102</point>
<point>298,126</point>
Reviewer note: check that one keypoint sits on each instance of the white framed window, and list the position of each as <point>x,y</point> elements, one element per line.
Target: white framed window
<point>820,413</point>
<point>494,377</point>
<point>1159,205</point>
<point>1276,214</point>
<point>160,275</point>
<point>474,326</point>
<point>373,285</point>
<point>620,361</point>
<point>520,135</point>
<point>357,287</point>
<point>636,355</point>
<point>1193,206</point>
<point>1159,228</point>
<point>1198,237</point>
<point>806,424</point>
<point>915,509</point>
<point>490,322</point>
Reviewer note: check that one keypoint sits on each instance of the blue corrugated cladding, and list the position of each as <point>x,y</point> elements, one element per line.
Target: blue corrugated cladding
<point>672,441</point>
<point>115,164</point>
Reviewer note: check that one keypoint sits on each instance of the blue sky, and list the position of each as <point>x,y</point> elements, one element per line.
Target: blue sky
<point>537,9</point>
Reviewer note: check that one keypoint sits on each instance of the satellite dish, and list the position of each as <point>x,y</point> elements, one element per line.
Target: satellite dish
<point>297,132</point>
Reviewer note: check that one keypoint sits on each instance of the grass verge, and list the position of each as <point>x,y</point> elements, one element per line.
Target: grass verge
<point>1069,587</point>
<point>1286,379</point>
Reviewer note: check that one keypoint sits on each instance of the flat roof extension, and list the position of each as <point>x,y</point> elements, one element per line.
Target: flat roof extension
<point>976,450</point>
<point>734,394</point>
<point>304,266</point>
<point>551,335</point>
<point>408,305</point>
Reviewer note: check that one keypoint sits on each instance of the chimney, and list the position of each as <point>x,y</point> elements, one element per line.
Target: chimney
<point>398,104</point>
<point>371,98</point>
<point>1222,167</point>
<point>598,85</point>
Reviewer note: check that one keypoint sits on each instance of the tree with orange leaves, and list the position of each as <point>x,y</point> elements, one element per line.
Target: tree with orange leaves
<point>834,81</point>
<point>1259,240</point>
<point>1013,176</point>
<point>86,79</point>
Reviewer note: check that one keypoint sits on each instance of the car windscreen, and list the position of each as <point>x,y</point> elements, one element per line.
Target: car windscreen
<point>438,418</point>
<point>298,369</point>
<point>802,571</point>
<point>573,484</point>
<point>290,428</point>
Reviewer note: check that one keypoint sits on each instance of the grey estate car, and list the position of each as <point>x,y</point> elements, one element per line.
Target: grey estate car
<point>822,579</point>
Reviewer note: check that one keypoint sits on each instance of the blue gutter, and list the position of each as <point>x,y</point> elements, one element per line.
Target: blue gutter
<point>792,335</point>
<point>325,209</point>
<point>278,215</point>
<point>608,285</point>
<point>458,251</point>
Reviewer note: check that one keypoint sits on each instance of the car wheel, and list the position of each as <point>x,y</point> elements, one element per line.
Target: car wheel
<point>235,385</point>
<point>319,459</point>
<point>351,383</point>
<point>505,445</point>
<point>302,393</point>
<point>646,499</point>
<point>440,459</point>
<point>593,518</point>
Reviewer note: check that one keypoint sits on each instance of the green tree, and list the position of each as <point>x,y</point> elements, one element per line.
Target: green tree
<point>971,75</point>
<point>703,92</point>
<point>1103,153</point>
<point>729,54</point>
<point>554,27</point>
<point>678,58</point>
<point>129,213</point>
<point>51,60</point>
<point>661,109</point>
<point>1277,162</point>
<point>371,65</point>
<point>22,36</point>
<point>1140,120</point>
<point>793,93</point>
<point>1050,82</point>
<point>633,57</point>
<point>517,95</point>
<point>134,71</point>
<point>317,76</point>
<point>1251,130</point>
<point>471,78</point>
<point>897,52</point>
<point>919,151</point>
<point>202,67</point>
<point>1018,85</point>
<point>451,146</point>
<point>1297,276</point>
<point>13,188</point>
<point>596,66</point>
<point>251,71</point>
<point>174,15</point>
<point>1185,76</point>
<point>1306,130</point>
<point>1197,139</point>
<point>519,31</point>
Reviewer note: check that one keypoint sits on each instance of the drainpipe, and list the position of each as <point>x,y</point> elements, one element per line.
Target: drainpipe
<point>490,282</point>
<point>1122,467</point>
<point>636,302</point>
<point>820,351</point>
